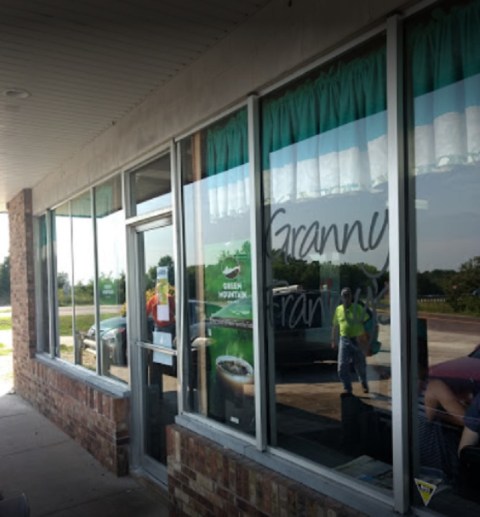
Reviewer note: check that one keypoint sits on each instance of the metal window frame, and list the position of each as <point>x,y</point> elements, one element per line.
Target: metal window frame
<point>134,225</point>
<point>397,270</point>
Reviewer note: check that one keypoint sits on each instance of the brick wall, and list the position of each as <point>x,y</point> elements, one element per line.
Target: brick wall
<point>207,479</point>
<point>97,420</point>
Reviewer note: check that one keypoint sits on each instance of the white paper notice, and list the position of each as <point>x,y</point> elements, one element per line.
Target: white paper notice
<point>162,339</point>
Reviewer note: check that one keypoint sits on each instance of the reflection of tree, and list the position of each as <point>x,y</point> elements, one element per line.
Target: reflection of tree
<point>434,282</point>
<point>83,292</point>
<point>458,288</point>
<point>311,274</point>
<point>5,281</point>
<point>63,280</point>
<point>462,292</point>
<point>151,274</point>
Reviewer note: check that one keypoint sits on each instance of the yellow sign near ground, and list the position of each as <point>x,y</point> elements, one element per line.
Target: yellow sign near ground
<point>426,490</point>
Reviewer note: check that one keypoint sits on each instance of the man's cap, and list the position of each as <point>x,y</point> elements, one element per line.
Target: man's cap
<point>345,291</point>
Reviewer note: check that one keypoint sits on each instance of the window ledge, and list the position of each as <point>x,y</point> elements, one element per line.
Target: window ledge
<point>109,386</point>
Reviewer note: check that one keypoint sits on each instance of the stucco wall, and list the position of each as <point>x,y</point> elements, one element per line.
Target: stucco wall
<point>284,36</point>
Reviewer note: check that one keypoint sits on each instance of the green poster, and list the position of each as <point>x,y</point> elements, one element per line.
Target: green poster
<point>228,283</point>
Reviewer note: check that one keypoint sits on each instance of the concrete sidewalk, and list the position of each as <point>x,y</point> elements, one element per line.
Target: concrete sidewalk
<point>60,478</point>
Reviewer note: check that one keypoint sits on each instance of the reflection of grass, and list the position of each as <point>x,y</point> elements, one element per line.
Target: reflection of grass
<point>435,307</point>
<point>4,350</point>
<point>6,323</point>
<point>82,322</point>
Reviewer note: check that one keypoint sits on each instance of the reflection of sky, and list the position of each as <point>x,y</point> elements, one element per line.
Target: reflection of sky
<point>157,203</point>
<point>339,210</point>
<point>227,229</point>
<point>448,228</point>
<point>111,246</point>
<point>158,243</point>
<point>447,223</point>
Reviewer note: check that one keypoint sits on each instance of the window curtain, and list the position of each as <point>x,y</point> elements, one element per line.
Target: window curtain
<point>328,135</point>
<point>227,167</point>
<point>445,64</point>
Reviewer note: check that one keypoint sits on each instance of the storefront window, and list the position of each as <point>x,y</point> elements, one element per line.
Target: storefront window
<point>444,155</point>
<point>83,274</point>
<point>324,157</point>
<point>217,242</point>
<point>75,274</point>
<point>110,225</point>
<point>65,282</point>
<point>77,297</point>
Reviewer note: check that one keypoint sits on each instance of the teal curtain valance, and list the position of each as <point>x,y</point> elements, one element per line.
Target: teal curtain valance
<point>327,135</point>
<point>444,71</point>
<point>226,167</point>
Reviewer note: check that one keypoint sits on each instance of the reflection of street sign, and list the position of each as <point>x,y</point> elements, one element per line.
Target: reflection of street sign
<point>426,490</point>
<point>107,290</point>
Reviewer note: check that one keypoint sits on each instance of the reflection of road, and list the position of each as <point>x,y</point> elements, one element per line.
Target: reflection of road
<point>315,387</point>
<point>442,345</point>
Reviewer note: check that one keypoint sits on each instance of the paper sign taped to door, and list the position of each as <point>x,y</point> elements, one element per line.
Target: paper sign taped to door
<point>162,294</point>
<point>162,339</point>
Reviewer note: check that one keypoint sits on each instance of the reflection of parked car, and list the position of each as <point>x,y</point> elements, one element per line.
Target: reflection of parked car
<point>113,332</point>
<point>302,324</point>
<point>462,374</point>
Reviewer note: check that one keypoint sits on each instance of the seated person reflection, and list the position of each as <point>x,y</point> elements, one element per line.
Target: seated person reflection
<point>440,423</point>
<point>469,453</point>
<point>470,435</point>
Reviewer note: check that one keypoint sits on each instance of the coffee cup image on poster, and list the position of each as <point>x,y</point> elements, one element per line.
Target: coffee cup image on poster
<point>228,284</point>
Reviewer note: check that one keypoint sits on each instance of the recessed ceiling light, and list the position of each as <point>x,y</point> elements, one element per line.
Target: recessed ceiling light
<point>16,93</point>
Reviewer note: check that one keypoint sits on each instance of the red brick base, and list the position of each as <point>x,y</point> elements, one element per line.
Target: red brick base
<point>207,479</point>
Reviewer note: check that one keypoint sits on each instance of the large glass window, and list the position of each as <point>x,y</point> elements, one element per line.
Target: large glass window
<point>444,149</point>
<point>217,241</point>
<point>111,247</point>
<point>324,157</point>
<point>83,275</point>
<point>64,282</point>
<point>75,279</point>
<point>101,345</point>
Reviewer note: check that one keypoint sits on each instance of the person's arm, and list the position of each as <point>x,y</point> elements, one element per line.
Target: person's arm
<point>334,331</point>
<point>439,395</point>
<point>334,336</point>
<point>469,437</point>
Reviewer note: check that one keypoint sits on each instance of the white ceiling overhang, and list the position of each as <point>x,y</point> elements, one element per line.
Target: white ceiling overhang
<point>83,65</point>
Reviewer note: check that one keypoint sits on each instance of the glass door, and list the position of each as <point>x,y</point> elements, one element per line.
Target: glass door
<point>155,342</point>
